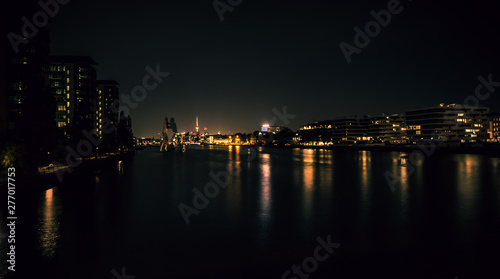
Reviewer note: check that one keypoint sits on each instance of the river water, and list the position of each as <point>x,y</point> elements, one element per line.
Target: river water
<point>441,221</point>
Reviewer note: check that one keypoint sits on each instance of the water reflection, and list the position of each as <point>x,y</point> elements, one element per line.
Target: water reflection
<point>404,183</point>
<point>467,180</point>
<point>400,173</point>
<point>48,229</point>
<point>496,167</point>
<point>495,170</point>
<point>304,208</point>
<point>236,163</point>
<point>308,169</point>
<point>324,156</point>
<point>403,176</point>
<point>265,191</point>
<point>234,194</point>
<point>326,173</point>
<point>365,167</point>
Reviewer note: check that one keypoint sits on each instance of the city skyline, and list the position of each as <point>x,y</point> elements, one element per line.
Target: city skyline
<point>451,107</point>
<point>249,139</point>
<point>285,55</point>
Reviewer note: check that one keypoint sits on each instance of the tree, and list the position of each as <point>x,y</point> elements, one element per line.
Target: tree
<point>20,156</point>
<point>124,132</point>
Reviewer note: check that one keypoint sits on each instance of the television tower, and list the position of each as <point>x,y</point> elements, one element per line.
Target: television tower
<point>197,128</point>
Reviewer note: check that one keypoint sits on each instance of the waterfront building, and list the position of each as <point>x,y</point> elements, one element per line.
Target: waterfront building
<point>107,104</point>
<point>25,100</point>
<point>315,133</point>
<point>73,83</point>
<point>344,130</point>
<point>266,128</point>
<point>449,123</point>
<point>222,139</point>
<point>387,129</point>
<point>494,127</point>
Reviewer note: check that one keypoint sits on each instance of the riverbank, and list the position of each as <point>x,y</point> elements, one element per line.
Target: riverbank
<point>489,149</point>
<point>485,150</point>
<point>49,177</point>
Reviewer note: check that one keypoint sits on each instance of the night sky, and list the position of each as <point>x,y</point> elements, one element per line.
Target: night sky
<point>270,54</point>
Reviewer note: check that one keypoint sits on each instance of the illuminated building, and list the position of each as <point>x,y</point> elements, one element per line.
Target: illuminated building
<point>494,127</point>
<point>387,129</point>
<point>449,123</point>
<point>344,130</point>
<point>264,128</point>
<point>73,83</point>
<point>107,94</point>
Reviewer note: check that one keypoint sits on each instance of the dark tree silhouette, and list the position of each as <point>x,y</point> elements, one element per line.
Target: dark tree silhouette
<point>124,131</point>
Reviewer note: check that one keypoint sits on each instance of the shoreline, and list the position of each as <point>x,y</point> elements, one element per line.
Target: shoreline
<point>491,149</point>
<point>45,181</point>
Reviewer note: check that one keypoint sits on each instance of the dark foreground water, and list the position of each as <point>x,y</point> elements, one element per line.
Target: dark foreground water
<point>442,220</point>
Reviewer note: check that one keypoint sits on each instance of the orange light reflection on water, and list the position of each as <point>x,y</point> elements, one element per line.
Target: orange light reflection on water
<point>49,226</point>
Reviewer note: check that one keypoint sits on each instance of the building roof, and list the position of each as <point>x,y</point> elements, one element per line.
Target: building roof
<point>447,106</point>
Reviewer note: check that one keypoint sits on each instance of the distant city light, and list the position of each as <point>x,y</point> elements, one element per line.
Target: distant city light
<point>264,128</point>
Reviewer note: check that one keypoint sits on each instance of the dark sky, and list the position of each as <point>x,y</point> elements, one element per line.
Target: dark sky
<point>270,54</point>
